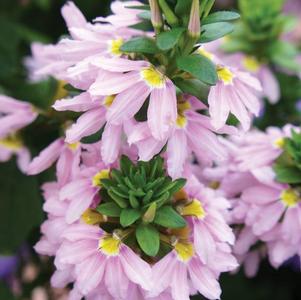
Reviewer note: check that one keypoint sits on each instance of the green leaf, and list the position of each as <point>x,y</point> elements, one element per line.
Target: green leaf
<point>125,165</point>
<point>215,31</point>
<point>193,87</point>
<point>183,7</point>
<point>168,39</point>
<point>140,45</point>
<point>221,16</point>
<point>20,207</point>
<point>148,239</point>
<point>109,209</point>
<point>129,216</point>
<point>168,217</point>
<point>142,7</point>
<point>200,67</point>
<point>149,215</point>
<point>118,200</point>
<point>286,174</point>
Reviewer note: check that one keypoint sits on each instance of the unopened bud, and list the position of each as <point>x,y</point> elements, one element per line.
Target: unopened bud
<point>194,26</point>
<point>150,214</point>
<point>156,16</point>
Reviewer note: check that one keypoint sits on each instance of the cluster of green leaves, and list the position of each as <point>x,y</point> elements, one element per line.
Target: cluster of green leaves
<point>288,165</point>
<point>141,197</point>
<point>258,34</point>
<point>174,49</point>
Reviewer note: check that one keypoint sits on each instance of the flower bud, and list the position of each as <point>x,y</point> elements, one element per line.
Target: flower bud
<point>156,16</point>
<point>194,26</point>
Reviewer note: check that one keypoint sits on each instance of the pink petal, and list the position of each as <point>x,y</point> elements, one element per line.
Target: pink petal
<point>270,85</point>
<point>114,83</point>
<point>87,124</point>
<point>162,111</point>
<point>116,281</point>
<point>89,273</point>
<point>79,103</point>
<point>111,143</point>
<point>136,269</point>
<point>204,280</point>
<point>260,194</point>
<point>127,103</point>
<point>218,100</point>
<point>46,157</point>
<point>176,153</point>
<point>73,16</point>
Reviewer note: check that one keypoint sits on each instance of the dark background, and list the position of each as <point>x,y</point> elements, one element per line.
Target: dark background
<point>25,21</point>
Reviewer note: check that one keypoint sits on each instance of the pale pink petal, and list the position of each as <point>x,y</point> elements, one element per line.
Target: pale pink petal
<point>73,16</point>
<point>118,64</point>
<point>127,103</point>
<point>162,111</point>
<point>204,280</point>
<point>249,80</point>
<point>269,216</point>
<point>111,143</point>
<point>251,263</point>
<point>79,103</point>
<point>260,194</point>
<point>180,286</point>
<point>136,269</point>
<point>203,241</point>
<point>176,153</point>
<point>87,124</point>
<point>238,109</point>
<point>46,157</point>
<point>108,83</point>
<point>89,273</point>
<point>218,100</point>
<point>116,281</point>
<point>270,85</point>
<point>61,278</point>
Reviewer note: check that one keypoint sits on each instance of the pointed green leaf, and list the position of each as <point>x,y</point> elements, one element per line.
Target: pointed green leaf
<point>168,39</point>
<point>148,239</point>
<point>118,200</point>
<point>168,217</point>
<point>221,16</point>
<point>215,31</point>
<point>140,45</point>
<point>129,216</point>
<point>286,174</point>
<point>109,209</point>
<point>125,165</point>
<point>193,87</point>
<point>199,66</point>
<point>149,215</point>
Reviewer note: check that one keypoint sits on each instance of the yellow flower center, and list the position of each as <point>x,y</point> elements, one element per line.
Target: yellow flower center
<point>11,143</point>
<point>153,77</point>
<point>290,197</point>
<point>251,64</point>
<point>205,53</point>
<point>92,217</point>
<point>225,75</point>
<point>279,143</point>
<point>103,174</point>
<point>108,101</point>
<point>109,245</point>
<point>114,47</point>
<point>194,208</point>
<point>184,251</point>
<point>182,107</point>
<point>73,146</point>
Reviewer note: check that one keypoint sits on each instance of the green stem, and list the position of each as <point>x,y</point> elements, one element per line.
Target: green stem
<point>169,14</point>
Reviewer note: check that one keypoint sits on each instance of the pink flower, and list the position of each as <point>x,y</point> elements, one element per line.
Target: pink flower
<point>181,269</point>
<point>132,89</point>
<point>14,115</point>
<point>123,15</point>
<point>234,92</point>
<point>192,133</point>
<point>102,259</point>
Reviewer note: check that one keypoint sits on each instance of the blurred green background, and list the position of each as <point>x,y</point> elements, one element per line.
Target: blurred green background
<point>25,21</point>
